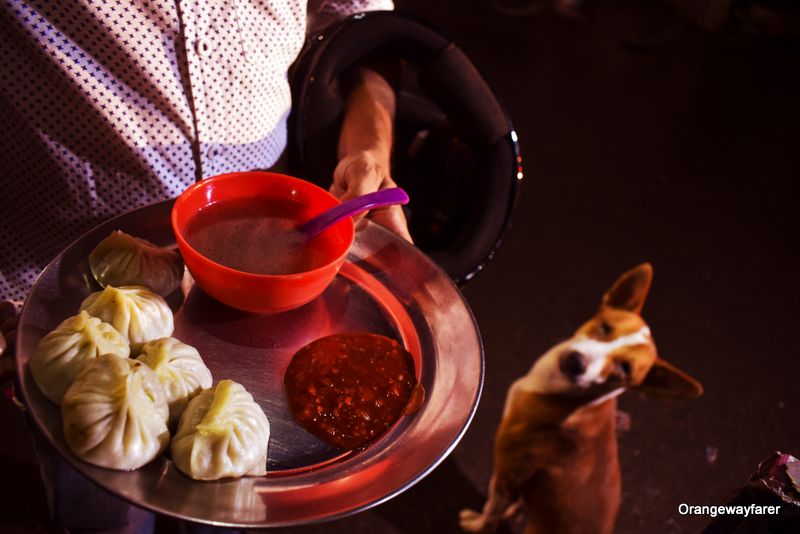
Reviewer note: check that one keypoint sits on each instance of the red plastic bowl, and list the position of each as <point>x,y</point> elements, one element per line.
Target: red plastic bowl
<point>261,293</point>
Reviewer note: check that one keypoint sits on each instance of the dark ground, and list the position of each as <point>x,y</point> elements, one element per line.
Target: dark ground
<point>644,138</point>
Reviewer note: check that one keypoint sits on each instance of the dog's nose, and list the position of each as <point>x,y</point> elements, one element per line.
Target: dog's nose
<point>573,363</point>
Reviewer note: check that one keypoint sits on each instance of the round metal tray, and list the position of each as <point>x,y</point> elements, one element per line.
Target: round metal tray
<point>387,287</point>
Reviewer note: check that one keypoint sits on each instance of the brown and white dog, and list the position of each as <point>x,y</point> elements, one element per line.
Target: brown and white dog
<point>556,447</point>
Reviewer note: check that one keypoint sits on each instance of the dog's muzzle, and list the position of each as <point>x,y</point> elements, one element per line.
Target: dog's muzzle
<point>573,364</point>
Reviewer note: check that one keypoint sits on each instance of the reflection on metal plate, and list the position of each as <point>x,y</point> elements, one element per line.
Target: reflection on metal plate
<point>386,287</point>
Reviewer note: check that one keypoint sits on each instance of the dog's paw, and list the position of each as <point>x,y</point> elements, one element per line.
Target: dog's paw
<point>471,521</point>
<point>514,511</point>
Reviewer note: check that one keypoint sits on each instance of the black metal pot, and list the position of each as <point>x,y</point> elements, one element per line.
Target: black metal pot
<point>455,152</point>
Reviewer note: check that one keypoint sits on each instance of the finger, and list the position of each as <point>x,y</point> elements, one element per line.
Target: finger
<point>7,342</point>
<point>394,219</point>
<point>361,223</point>
<point>7,309</point>
<point>358,176</point>
<point>341,193</point>
<point>9,324</point>
<point>358,186</point>
<point>336,190</point>
<point>11,341</point>
<point>6,368</point>
<point>337,187</point>
<point>359,219</point>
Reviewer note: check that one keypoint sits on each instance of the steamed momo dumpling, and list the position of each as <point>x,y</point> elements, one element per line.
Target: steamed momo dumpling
<point>179,368</point>
<point>124,260</point>
<point>136,312</point>
<point>115,414</point>
<point>64,352</point>
<point>222,433</point>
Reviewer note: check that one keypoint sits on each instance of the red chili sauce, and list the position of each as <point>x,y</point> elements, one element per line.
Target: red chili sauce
<point>255,235</point>
<point>347,389</point>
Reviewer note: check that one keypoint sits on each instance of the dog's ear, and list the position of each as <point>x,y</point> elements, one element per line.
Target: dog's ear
<point>630,290</point>
<point>665,381</point>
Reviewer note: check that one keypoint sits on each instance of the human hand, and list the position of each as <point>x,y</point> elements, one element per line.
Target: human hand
<point>365,172</point>
<point>8,335</point>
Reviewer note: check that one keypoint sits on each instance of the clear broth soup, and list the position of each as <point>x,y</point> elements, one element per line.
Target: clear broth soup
<point>254,235</point>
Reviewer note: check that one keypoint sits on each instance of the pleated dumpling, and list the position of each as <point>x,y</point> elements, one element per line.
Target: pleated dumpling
<point>64,352</point>
<point>222,433</point>
<point>124,260</point>
<point>136,312</point>
<point>115,414</point>
<point>179,368</point>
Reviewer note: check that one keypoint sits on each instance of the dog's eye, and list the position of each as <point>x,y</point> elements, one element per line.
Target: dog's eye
<point>625,367</point>
<point>604,328</point>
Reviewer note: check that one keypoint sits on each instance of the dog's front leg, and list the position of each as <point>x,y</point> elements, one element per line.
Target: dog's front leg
<point>498,506</point>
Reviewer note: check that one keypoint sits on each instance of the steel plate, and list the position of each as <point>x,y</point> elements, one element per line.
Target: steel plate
<point>387,286</point>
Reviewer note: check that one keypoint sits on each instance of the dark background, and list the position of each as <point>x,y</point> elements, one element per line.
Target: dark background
<point>644,138</point>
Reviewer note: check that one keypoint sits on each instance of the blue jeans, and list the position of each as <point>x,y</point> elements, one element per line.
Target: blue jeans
<point>79,505</point>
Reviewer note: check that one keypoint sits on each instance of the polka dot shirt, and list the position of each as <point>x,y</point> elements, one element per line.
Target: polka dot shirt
<point>109,105</point>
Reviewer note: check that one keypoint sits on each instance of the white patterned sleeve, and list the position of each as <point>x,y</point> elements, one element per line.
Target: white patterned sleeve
<point>324,12</point>
<point>349,7</point>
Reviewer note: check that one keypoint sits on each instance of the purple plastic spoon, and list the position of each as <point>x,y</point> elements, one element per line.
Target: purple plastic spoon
<point>354,206</point>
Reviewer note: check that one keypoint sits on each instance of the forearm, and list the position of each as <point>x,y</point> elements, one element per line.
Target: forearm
<point>8,334</point>
<point>365,144</point>
<point>369,117</point>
